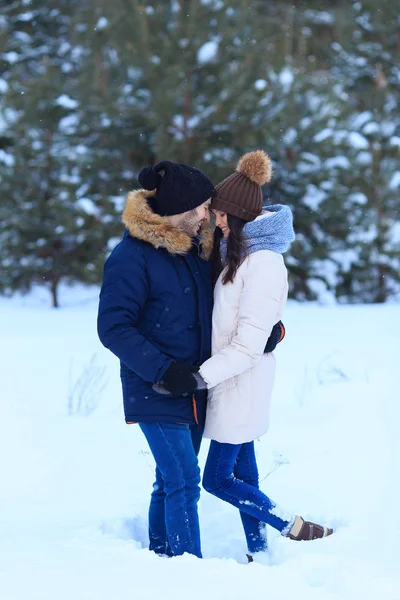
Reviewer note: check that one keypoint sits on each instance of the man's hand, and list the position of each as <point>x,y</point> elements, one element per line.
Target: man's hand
<point>179,379</point>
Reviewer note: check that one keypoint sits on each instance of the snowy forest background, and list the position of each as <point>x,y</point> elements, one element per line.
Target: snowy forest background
<point>92,90</point>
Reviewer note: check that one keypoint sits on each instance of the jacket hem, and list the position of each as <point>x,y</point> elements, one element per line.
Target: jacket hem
<point>129,420</point>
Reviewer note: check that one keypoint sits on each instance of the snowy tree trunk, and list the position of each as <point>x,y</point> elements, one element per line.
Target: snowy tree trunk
<point>381,292</point>
<point>54,292</point>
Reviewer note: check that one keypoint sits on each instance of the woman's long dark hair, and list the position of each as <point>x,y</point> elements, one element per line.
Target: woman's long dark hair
<point>236,250</point>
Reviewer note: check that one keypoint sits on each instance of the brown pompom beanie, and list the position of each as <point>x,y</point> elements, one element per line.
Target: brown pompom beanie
<point>240,193</point>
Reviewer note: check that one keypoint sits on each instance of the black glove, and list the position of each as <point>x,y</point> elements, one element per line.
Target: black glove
<point>178,379</point>
<point>277,335</point>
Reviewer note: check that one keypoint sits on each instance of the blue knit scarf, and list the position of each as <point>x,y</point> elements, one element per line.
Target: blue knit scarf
<point>267,232</point>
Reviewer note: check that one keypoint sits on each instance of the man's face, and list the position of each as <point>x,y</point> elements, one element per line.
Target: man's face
<point>190,222</point>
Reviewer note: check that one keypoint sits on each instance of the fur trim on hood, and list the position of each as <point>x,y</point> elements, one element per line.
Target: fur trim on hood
<point>143,224</point>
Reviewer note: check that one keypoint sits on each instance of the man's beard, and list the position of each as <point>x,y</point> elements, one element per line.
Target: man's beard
<point>189,224</point>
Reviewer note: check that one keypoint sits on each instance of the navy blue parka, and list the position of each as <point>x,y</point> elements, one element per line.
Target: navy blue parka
<point>156,307</point>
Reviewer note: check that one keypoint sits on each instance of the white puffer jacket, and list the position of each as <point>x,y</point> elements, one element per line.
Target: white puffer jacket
<point>239,375</point>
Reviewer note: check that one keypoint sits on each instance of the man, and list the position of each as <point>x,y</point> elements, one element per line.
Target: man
<point>155,316</point>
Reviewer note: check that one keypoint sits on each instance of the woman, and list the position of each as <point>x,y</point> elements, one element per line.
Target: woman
<point>249,298</point>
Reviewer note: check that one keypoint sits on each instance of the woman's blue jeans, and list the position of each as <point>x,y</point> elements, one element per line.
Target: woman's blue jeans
<point>173,518</point>
<point>231,474</point>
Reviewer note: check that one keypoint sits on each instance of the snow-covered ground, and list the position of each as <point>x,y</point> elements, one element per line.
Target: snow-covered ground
<point>75,480</point>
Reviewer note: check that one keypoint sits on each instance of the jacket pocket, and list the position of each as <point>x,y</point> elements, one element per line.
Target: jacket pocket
<point>159,321</point>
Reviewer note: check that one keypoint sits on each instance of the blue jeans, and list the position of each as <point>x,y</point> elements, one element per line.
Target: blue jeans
<point>173,519</point>
<point>231,474</point>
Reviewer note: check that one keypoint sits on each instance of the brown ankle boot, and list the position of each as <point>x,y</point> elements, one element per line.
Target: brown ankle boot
<point>303,531</point>
<point>249,558</point>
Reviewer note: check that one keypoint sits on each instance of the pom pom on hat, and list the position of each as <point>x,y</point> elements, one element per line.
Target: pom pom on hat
<point>256,166</point>
<point>149,179</point>
<point>240,193</point>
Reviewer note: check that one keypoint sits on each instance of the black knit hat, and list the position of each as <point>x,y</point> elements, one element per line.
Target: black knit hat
<point>179,187</point>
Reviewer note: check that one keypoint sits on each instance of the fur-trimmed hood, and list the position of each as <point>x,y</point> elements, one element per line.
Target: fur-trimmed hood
<point>143,224</point>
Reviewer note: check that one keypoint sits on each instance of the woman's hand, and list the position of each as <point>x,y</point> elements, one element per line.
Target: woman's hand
<point>277,335</point>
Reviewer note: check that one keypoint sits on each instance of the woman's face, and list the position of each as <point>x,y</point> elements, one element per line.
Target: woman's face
<point>221,221</point>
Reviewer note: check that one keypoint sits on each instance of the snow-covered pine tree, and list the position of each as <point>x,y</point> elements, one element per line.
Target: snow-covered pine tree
<point>300,100</point>
<point>367,138</point>
<point>187,79</point>
<point>50,230</point>
<point>302,106</point>
<point>351,244</point>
